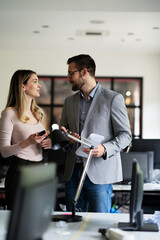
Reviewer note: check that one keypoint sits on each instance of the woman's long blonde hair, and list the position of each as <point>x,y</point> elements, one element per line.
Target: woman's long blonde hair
<point>16,98</point>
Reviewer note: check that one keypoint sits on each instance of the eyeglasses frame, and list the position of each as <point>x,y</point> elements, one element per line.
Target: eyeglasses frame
<point>71,72</point>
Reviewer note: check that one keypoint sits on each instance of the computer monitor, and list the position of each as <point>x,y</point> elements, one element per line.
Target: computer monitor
<point>145,145</point>
<point>34,202</point>
<point>136,222</point>
<point>145,160</point>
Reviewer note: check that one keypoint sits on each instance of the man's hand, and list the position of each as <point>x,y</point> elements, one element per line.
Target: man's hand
<point>96,152</point>
<point>71,141</point>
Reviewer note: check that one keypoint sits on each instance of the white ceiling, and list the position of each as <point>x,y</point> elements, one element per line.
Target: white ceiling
<point>125,25</point>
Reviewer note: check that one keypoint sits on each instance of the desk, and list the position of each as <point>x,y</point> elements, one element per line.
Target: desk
<point>87,229</point>
<point>147,187</point>
<point>151,195</point>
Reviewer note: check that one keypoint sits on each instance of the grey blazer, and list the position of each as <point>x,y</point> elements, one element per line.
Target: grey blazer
<point>107,116</point>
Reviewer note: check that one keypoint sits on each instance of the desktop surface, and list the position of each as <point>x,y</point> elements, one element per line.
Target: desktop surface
<point>87,229</point>
<point>147,187</point>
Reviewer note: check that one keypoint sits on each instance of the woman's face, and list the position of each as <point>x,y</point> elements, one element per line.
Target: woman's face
<point>32,87</point>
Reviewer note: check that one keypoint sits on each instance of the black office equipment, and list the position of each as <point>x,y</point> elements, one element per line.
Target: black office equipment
<point>145,145</point>
<point>145,160</point>
<point>34,202</point>
<point>42,133</point>
<point>136,222</point>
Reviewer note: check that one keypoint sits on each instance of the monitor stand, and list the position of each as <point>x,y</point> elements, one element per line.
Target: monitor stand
<point>147,227</point>
<point>139,224</point>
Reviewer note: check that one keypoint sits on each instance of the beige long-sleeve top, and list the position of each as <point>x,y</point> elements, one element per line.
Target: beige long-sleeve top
<point>13,131</point>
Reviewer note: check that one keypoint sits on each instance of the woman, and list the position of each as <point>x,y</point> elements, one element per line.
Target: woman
<point>20,125</point>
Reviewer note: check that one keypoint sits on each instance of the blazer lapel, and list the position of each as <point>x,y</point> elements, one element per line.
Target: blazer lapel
<point>94,104</point>
<point>76,110</point>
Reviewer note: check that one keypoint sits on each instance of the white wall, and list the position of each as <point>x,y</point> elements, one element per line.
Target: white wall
<point>54,63</point>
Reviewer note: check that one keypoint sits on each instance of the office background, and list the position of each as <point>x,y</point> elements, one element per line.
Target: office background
<point>42,35</point>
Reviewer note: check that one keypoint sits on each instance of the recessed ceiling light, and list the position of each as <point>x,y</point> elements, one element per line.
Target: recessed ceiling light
<point>130,33</point>
<point>155,28</point>
<point>70,38</point>
<point>36,32</point>
<point>45,26</point>
<point>96,21</point>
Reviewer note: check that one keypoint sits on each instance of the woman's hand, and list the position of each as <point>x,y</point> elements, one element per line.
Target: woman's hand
<point>33,139</point>
<point>46,143</point>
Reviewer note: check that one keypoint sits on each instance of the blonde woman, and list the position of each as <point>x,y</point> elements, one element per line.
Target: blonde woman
<point>20,125</point>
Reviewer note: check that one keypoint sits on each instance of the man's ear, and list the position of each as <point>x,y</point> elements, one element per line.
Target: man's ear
<point>85,71</point>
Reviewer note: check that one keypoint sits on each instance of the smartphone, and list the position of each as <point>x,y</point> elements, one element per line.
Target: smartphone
<point>41,133</point>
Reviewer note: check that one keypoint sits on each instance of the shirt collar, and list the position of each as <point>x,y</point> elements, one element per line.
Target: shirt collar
<point>91,95</point>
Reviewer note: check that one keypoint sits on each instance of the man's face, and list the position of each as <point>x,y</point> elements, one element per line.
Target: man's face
<point>75,77</point>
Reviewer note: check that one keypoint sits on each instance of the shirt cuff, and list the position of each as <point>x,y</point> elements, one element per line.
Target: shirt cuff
<point>104,156</point>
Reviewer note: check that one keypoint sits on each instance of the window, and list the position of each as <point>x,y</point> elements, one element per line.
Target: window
<point>54,90</point>
<point>131,89</point>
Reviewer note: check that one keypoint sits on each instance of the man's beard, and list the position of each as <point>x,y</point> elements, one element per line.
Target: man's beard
<point>78,86</point>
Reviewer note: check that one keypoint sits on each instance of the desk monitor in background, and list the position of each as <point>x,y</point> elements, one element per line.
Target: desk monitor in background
<point>34,202</point>
<point>145,145</point>
<point>136,222</point>
<point>145,160</point>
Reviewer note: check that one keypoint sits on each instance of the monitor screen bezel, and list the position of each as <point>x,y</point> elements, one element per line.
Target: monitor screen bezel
<point>136,196</point>
<point>33,203</point>
<point>145,145</point>
<point>147,166</point>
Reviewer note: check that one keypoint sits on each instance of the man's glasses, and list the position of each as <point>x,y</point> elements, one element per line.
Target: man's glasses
<point>71,72</point>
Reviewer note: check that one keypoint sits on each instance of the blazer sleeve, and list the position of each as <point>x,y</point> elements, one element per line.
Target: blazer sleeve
<point>120,125</point>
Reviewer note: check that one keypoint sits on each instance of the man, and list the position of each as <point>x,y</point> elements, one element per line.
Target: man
<point>93,109</point>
